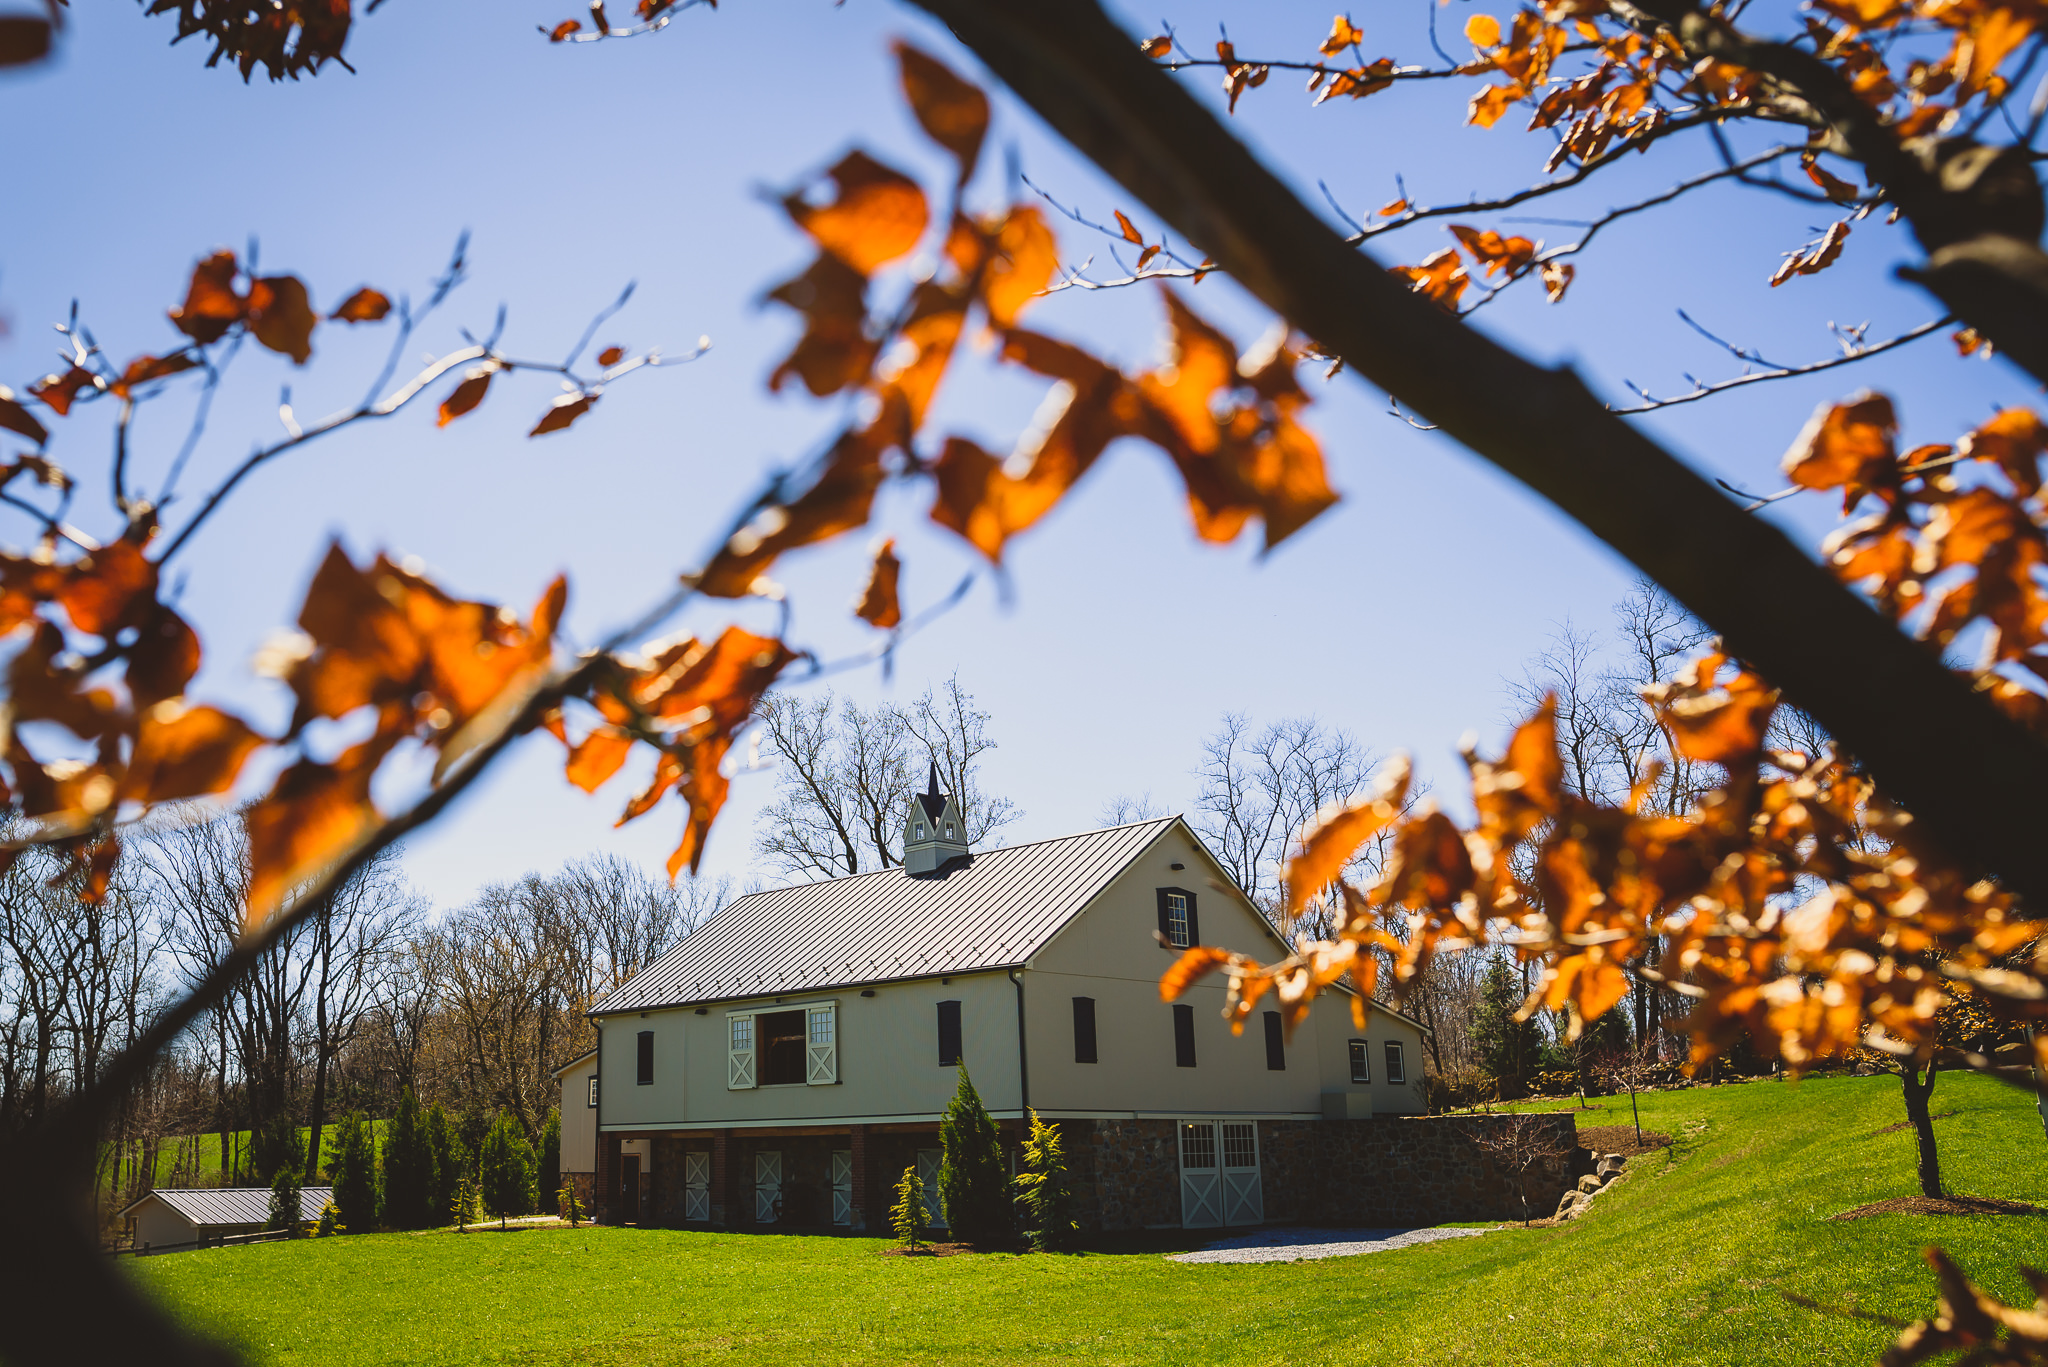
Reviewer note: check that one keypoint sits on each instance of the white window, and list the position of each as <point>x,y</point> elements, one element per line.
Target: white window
<point>1361,1061</point>
<point>1177,919</point>
<point>920,830</point>
<point>740,1051</point>
<point>1397,1070</point>
<point>822,1053</point>
<point>949,830</point>
<point>593,1091</point>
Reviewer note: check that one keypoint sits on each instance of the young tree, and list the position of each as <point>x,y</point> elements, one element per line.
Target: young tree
<point>1509,1050</point>
<point>549,1177</point>
<point>354,1173</point>
<point>566,1203</point>
<point>448,1164</point>
<point>505,1170</point>
<point>409,1167</point>
<point>1044,1188</point>
<point>974,1191</point>
<point>907,1218</point>
<point>1961,1024</point>
<point>1517,1145</point>
<point>330,1221</point>
<point>284,1212</point>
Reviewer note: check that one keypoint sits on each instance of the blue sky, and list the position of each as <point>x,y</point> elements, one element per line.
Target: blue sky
<point>1120,639</point>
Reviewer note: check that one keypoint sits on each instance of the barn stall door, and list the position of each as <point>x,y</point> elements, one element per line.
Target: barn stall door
<point>1243,1202</point>
<point>767,1187</point>
<point>928,1161</point>
<point>697,1187</point>
<point>1201,1201</point>
<point>842,1186</point>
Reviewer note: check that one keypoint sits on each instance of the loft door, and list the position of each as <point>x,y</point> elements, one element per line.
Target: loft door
<point>697,1187</point>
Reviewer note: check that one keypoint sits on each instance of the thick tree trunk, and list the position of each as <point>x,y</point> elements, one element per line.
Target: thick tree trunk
<point>1917,1091</point>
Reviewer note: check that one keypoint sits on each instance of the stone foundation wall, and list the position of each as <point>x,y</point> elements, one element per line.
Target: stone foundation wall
<point>1399,1170</point>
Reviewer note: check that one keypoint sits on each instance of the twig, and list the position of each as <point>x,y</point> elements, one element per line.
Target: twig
<point>1702,391</point>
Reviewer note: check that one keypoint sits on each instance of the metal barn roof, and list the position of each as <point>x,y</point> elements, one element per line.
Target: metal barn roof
<point>231,1205</point>
<point>994,911</point>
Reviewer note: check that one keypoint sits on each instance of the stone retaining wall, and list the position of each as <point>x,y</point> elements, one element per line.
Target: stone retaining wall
<point>1395,1170</point>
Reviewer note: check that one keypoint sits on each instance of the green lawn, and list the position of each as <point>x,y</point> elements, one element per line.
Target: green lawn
<point>1685,1261</point>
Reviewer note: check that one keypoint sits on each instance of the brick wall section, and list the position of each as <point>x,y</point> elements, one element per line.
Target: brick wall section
<point>1396,1171</point>
<point>864,1184</point>
<point>604,1208</point>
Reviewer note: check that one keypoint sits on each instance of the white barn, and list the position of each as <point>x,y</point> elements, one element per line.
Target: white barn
<point>185,1216</point>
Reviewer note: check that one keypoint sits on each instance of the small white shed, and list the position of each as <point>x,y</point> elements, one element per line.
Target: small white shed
<point>181,1216</point>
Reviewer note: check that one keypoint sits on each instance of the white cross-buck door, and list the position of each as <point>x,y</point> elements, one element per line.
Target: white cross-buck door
<point>767,1187</point>
<point>928,1161</point>
<point>1243,1202</point>
<point>842,1186</point>
<point>697,1187</point>
<point>1219,1174</point>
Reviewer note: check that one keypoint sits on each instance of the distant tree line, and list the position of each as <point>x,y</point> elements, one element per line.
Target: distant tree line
<point>373,1009</point>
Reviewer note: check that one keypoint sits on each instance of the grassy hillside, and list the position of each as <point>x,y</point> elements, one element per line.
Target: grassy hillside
<point>1685,1261</point>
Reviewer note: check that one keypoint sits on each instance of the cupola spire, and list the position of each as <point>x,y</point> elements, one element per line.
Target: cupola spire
<point>934,830</point>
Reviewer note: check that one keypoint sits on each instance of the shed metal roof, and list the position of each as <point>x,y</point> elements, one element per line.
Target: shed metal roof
<point>231,1205</point>
<point>993,910</point>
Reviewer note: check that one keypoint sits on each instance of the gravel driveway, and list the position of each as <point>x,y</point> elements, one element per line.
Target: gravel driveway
<point>1297,1245</point>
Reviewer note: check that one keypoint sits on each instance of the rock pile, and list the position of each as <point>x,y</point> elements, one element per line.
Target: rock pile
<point>1575,1202</point>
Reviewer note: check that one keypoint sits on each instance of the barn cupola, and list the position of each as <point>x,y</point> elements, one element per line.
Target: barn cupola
<point>934,832</point>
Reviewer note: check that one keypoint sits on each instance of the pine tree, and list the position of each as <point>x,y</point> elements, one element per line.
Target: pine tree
<point>907,1216</point>
<point>284,1196</point>
<point>1047,1196</point>
<point>355,1173</point>
<point>1510,1051</point>
<point>505,1170</point>
<point>974,1191</point>
<point>449,1165</point>
<point>550,1176</point>
<point>462,1206</point>
<point>410,1180</point>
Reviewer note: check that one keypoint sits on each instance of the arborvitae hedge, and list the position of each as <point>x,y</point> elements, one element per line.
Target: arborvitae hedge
<point>410,1173</point>
<point>355,1173</point>
<point>451,1165</point>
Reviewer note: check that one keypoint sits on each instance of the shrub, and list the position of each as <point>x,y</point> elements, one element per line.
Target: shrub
<point>907,1216</point>
<point>450,1164</point>
<point>462,1206</point>
<point>974,1191</point>
<point>568,1205</point>
<point>551,1154</point>
<point>355,1174</point>
<point>330,1216</point>
<point>410,1176</point>
<point>1048,1199</point>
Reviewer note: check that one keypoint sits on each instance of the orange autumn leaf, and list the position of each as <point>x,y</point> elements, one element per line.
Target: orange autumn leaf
<point>1193,965</point>
<point>1711,720</point>
<point>163,659</point>
<point>1557,278</point>
<point>1491,102</point>
<point>61,391</point>
<point>102,592</point>
<point>143,369</point>
<point>183,752</point>
<point>2014,441</point>
<point>878,215</point>
<point>1846,446</point>
<point>1343,34</point>
<point>611,356</point>
<point>952,111</point>
<point>563,30</point>
<point>364,306</point>
<point>1817,257</point>
<point>562,412</point>
<point>14,418</point>
<point>1129,229</point>
<point>1025,260</point>
<point>1156,47</point>
<point>835,350</point>
<point>1496,253</point>
<point>315,816</point>
<point>466,395</point>
<point>211,305</point>
<point>1440,278</point>
<point>877,604</point>
<point>597,757</point>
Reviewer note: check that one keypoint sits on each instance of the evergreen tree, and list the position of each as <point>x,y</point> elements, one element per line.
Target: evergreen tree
<point>907,1216</point>
<point>974,1191</point>
<point>462,1206</point>
<point>550,1176</point>
<point>449,1166</point>
<point>410,1179</point>
<point>354,1170</point>
<point>330,1220</point>
<point>284,1196</point>
<point>273,1146</point>
<point>505,1170</point>
<point>1047,1196</point>
<point>1510,1051</point>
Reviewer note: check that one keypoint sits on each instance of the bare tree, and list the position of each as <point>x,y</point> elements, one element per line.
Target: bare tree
<point>1518,1145</point>
<point>1260,786</point>
<point>1123,809</point>
<point>848,773</point>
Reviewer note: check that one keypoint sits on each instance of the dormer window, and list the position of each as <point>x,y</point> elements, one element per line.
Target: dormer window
<point>949,830</point>
<point>920,830</point>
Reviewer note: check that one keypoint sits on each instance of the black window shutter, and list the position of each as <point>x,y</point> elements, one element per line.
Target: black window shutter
<point>1194,925</point>
<point>646,1058</point>
<point>949,1034</point>
<point>1084,1029</point>
<point>1184,1036</point>
<point>1276,1044</point>
<point>1165,926</point>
